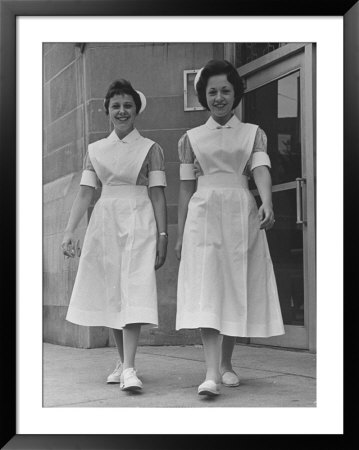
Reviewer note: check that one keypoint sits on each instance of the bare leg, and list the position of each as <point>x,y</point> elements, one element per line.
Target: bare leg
<point>226,354</point>
<point>211,346</point>
<point>131,333</point>
<point>118,336</point>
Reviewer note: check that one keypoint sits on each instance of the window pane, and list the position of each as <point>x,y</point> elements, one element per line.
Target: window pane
<point>275,107</point>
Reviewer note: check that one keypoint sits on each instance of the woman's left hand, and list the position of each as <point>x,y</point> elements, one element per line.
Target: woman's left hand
<point>161,251</point>
<point>266,216</point>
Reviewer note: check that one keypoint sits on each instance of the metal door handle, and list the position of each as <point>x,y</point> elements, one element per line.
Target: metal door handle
<point>299,185</point>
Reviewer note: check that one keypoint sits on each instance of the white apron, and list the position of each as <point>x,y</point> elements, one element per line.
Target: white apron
<point>115,283</point>
<point>226,279</point>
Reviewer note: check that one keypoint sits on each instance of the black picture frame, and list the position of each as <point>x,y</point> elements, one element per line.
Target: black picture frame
<point>9,11</point>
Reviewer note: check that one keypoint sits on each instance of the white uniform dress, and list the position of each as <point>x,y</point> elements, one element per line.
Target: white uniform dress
<point>226,279</point>
<point>115,283</point>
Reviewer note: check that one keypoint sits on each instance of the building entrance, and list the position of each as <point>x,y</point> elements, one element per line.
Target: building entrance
<point>279,98</point>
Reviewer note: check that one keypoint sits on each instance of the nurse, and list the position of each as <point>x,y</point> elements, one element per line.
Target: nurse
<point>126,238</point>
<point>226,283</point>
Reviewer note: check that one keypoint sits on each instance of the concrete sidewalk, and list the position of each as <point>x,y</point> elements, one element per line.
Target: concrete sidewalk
<point>270,377</point>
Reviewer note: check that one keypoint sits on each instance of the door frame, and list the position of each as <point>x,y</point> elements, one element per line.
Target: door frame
<point>283,61</point>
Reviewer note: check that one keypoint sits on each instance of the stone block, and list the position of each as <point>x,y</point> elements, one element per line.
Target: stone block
<point>80,80</point>
<point>67,130</point>
<point>218,51</point>
<point>46,106</point>
<point>98,121</point>
<point>54,218</point>
<point>57,287</point>
<point>56,57</point>
<point>57,330</point>
<point>46,47</point>
<point>146,336</point>
<point>62,162</point>
<point>59,188</point>
<point>63,93</point>
<point>98,337</point>
<point>180,337</point>
<point>60,87</point>
<point>53,259</point>
<point>168,113</point>
<point>154,68</point>
<point>95,136</point>
<point>167,317</point>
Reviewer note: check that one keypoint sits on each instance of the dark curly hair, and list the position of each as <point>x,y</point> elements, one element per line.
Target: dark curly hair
<point>219,67</point>
<point>120,87</point>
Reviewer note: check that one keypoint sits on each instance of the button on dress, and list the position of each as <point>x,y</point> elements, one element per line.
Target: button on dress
<point>226,279</point>
<point>115,283</point>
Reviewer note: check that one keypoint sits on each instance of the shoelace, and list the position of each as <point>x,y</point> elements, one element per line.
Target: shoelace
<point>130,372</point>
<point>118,366</point>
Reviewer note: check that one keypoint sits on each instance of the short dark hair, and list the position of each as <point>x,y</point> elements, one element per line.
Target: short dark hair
<point>219,67</point>
<point>121,87</point>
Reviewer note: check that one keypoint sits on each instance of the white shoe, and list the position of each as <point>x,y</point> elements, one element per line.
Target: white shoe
<point>130,381</point>
<point>115,376</point>
<point>209,387</point>
<point>230,378</point>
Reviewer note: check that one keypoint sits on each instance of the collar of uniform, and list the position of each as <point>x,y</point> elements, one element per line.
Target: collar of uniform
<point>232,123</point>
<point>131,137</point>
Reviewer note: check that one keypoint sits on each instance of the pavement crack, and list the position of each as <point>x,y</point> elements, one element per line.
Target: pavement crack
<point>234,365</point>
<point>64,405</point>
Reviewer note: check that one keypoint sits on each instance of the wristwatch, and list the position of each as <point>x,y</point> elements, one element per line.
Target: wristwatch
<point>163,233</point>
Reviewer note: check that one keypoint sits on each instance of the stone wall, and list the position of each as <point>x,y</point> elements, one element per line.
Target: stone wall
<point>76,77</point>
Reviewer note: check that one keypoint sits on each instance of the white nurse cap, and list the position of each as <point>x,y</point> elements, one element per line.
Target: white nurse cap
<point>143,101</point>
<point>196,78</point>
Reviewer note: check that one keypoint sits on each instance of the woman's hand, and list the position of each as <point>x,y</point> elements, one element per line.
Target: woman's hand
<point>266,216</point>
<point>263,181</point>
<point>161,251</point>
<point>68,245</point>
<point>178,248</point>
<point>82,201</point>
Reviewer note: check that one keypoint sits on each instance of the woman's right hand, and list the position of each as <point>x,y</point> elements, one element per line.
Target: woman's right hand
<point>178,248</point>
<point>68,245</point>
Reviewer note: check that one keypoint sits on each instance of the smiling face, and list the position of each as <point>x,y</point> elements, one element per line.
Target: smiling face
<point>220,98</point>
<point>122,111</point>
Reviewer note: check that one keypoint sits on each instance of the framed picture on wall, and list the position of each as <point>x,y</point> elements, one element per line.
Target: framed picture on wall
<point>190,99</point>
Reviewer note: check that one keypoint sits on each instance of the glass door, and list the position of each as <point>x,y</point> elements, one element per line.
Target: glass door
<point>276,99</point>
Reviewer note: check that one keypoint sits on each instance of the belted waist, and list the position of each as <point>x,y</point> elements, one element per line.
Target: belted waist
<point>123,190</point>
<point>225,180</point>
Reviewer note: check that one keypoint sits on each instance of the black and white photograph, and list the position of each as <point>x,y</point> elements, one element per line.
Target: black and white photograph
<point>179,224</point>
<point>179,242</point>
